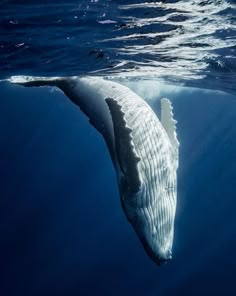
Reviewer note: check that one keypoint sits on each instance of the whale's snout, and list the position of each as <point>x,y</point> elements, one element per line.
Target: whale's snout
<point>160,254</point>
<point>160,260</point>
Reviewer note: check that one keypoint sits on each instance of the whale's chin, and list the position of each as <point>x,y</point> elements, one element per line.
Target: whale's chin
<point>155,250</point>
<point>162,256</point>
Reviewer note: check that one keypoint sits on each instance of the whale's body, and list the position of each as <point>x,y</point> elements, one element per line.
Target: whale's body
<point>144,152</point>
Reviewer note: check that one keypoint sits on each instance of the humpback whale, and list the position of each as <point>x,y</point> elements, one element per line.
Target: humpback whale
<point>143,149</point>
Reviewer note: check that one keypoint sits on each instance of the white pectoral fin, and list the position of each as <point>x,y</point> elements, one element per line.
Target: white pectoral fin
<point>168,122</point>
<point>126,154</point>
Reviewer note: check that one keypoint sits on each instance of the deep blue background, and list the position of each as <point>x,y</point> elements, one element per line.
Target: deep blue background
<point>62,229</point>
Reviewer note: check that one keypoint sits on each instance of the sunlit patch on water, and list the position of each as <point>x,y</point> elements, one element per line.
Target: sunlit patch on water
<point>182,42</point>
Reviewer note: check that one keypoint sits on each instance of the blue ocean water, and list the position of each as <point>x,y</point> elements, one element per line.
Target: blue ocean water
<point>183,42</point>
<point>62,228</point>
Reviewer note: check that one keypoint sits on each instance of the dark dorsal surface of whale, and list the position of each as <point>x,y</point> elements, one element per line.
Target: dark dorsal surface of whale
<point>144,152</point>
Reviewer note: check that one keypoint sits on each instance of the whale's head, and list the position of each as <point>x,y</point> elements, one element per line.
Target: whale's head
<point>146,174</point>
<point>152,220</point>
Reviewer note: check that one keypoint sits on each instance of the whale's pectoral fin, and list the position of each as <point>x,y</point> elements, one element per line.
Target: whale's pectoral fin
<point>126,154</point>
<point>168,122</point>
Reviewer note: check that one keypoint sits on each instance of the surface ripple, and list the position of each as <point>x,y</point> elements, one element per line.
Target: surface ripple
<point>182,42</point>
